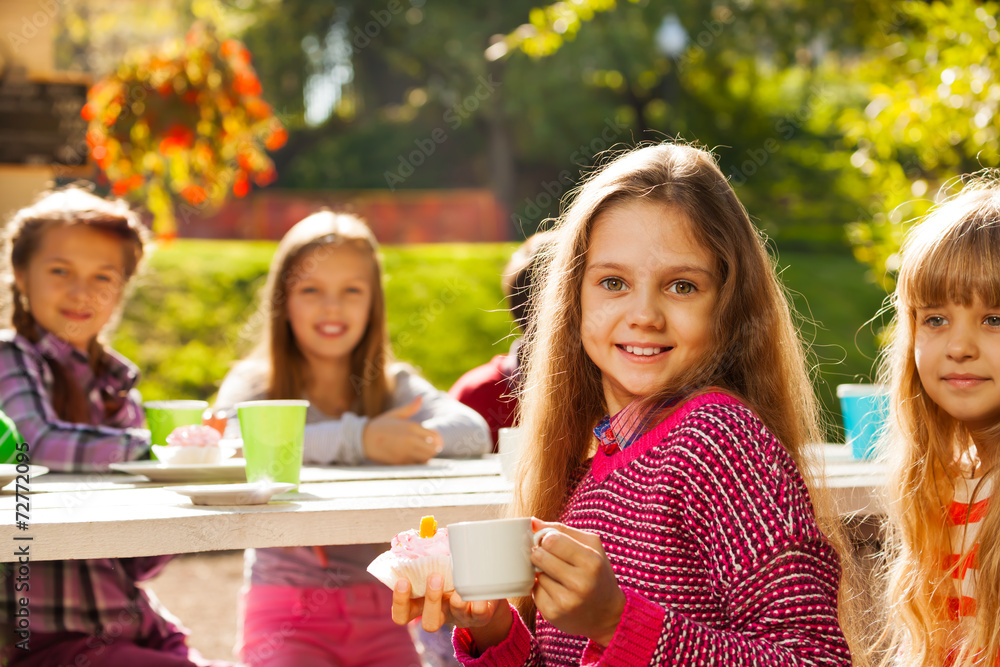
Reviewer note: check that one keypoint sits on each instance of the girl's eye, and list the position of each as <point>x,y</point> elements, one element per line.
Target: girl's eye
<point>613,284</point>
<point>993,321</point>
<point>683,287</point>
<point>935,321</point>
<point>353,290</point>
<point>58,271</point>
<point>105,279</point>
<point>307,290</point>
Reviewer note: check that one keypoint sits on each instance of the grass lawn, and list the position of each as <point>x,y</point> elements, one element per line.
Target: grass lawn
<point>186,321</point>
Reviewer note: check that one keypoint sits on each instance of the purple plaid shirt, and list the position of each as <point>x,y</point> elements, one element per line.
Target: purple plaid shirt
<point>98,596</point>
<point>26,385</point>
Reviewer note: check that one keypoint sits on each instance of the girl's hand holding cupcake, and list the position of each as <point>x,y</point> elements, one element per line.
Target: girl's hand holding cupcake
<point>438,607</point>
<point>393,439</point>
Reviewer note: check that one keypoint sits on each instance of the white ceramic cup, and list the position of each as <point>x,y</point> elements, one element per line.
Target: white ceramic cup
<point>509,448</point>
<point>491,560</point>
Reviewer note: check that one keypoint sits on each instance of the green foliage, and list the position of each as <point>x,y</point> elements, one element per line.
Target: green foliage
<point>447,311</point>
<point>183,322</point>
<point>931,92</point>
<point>186,322</point>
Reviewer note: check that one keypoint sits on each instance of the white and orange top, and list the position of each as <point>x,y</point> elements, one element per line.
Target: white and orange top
<point>965,518</point>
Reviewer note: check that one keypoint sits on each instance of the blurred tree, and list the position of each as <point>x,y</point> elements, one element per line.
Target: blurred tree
<point>821,113</point>
<point>387,93</point>
<point>418,105</point>
<point>758,83</point>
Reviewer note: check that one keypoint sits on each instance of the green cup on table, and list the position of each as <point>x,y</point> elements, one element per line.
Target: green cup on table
<point>163,417</point>
<point>273,433</point>
<point>10,439</point>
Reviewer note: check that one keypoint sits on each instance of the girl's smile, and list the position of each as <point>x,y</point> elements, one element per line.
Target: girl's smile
<point>639,350</point>
<point>963,381</point>
<point>648,293</point>
<point>74,315</point>
<point>331,329</point>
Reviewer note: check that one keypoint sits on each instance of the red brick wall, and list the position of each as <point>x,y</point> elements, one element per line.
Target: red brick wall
<point>404,216</point>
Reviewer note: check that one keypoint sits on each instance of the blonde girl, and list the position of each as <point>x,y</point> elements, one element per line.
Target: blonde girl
<point>325,338</point>
<point>74,401</point>
<point>668,410</point>
<point>943,368</point>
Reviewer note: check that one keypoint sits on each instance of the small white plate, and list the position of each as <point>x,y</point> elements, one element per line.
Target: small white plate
<point>233,494</point>
<point>232,470</point>
<point>8,472</point>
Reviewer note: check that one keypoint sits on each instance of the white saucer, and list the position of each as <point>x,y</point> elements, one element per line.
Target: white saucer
<point>8,472</point>
<point>156,471</point>
<point>233,494</point>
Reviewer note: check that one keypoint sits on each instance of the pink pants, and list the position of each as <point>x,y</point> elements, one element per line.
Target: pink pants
<point>75,649</point>
<point>286,626</point>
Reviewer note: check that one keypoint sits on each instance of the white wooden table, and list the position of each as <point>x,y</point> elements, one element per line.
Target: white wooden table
<point>856,486</point>
<point>117,515</point>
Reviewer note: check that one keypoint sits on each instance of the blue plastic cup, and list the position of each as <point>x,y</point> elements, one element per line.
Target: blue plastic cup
<point>865,408</point>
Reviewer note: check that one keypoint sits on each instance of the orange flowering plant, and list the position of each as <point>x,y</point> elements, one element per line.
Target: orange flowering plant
<point>183,124</point>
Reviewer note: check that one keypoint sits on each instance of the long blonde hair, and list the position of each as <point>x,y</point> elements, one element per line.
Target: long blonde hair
<point>302,245</point>
<point>953,256</point>
<point>67,207</point>
<point>757,353</point>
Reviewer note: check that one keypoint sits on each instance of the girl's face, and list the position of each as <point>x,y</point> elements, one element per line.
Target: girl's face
<point>648,295</point>
<point>957,351</point>
<point>329,300</point>
<point>74,282</point>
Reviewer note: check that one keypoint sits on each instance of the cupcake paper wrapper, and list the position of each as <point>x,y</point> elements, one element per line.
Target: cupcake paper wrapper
<point>389,569</point>
<point>175,455</point>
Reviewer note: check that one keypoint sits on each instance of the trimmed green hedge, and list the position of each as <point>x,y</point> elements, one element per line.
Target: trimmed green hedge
<point>186,321</point>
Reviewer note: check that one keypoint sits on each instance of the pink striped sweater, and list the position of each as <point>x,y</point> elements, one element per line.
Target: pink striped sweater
<point>709,528</point>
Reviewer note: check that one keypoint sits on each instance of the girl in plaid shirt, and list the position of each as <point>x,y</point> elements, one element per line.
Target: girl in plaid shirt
<point>75,403</point>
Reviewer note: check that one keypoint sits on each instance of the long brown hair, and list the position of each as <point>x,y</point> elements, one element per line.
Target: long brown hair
<point>60,208</point>
<point>757,353</point>
<point>952,256</point>
<point>302,245</point>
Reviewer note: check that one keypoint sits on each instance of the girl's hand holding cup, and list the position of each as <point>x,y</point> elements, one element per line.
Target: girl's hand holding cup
<point>576,590</point>
<point>393,439</point>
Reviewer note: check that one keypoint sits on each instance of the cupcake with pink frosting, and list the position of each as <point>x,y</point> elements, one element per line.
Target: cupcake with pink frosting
<point>193,445</point>
<point>414,555</point>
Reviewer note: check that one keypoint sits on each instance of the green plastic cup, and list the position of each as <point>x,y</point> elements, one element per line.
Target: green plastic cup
<point>163,417</point>
<point>273,432</point>
<point>10,439</point>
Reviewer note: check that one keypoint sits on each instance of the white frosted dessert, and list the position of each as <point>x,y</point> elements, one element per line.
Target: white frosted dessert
<point>193,445</point>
